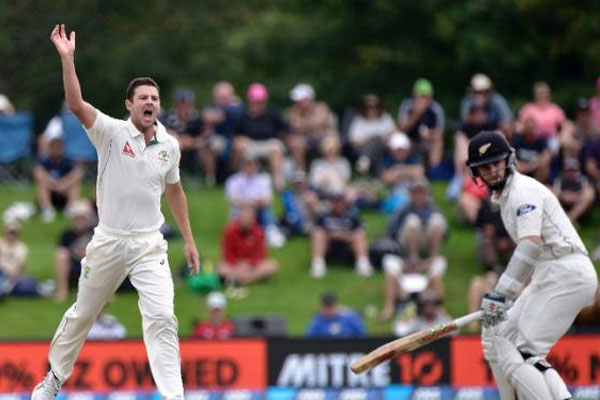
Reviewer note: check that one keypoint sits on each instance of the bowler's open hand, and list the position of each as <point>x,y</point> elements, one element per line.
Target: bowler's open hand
<point>65,45</point>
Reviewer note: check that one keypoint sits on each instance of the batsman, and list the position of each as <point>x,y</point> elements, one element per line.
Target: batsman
<point>550,255</point>
<point>137,161</point>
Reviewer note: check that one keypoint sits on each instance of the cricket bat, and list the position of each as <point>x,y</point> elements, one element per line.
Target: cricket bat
<point>409,343</point>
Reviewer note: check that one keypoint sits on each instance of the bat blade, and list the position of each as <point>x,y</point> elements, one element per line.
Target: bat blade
<point>409,343</point>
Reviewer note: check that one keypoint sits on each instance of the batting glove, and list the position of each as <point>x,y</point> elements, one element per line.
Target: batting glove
<point>494,309</point>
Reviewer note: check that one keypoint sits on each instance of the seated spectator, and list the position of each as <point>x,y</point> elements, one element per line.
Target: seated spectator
<point>107,327</point>
<point>423,120</point>
<point>399,167</point>
<point>335,321</point>
<point>58,181</point>
<point>430,313</point>
<point>478,119</point>
<point>595,105</point>
<point>573,190</point>
<point>549,120</point>
<point>260,131</point>
<point>310,121</point>
<point>337,234</point>
<point>185,123</point>
<point>6,107</point>
<point>495,248</point>
<point>217,326</point>
<point>591,156</point>
<point>482,91</point>
<point>532,152</point>
<point>301,205</point>
<point>13,267</point>
<point>219,120</point>
<point>420,226</point>
<point>71,248</point>
<point>331,173</point>
<point>584,131</point>
<point>474,193</point>
<point>250,187</point>
<point>245,251</point>
<point>368,132</point>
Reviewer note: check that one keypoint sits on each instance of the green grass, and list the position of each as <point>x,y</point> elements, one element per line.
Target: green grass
<point>290,293</point>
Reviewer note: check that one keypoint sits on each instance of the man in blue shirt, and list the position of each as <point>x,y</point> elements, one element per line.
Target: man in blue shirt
<point>334,321</point>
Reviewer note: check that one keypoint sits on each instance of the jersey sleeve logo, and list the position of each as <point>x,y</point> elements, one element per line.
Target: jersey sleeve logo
<point>525,209</point>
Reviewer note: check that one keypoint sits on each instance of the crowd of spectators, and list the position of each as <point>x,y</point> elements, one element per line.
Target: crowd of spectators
<point>326,173</point>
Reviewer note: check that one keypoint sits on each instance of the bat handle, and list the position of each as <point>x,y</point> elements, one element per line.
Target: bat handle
<point>467,319</point>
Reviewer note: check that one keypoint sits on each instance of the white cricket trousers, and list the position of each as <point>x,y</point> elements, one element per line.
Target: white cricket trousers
<point>111,257</point>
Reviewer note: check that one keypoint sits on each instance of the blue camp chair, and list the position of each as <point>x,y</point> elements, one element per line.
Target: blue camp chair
<point>16,132</point>
<point>77,144</point>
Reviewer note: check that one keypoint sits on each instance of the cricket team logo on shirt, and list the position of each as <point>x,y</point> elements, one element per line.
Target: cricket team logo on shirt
<point>163,157</point>
<point>127,150</point>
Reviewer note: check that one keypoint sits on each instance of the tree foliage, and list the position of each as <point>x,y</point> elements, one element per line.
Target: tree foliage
<point>343,47</point>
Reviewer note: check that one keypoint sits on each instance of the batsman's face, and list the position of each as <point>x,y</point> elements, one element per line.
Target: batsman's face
<point>493,173</point>
<point>144,107</point>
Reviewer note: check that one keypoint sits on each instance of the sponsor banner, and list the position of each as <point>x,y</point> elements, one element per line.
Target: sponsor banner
<point>577,359</point>
<point>306,363</point>
<point>109,366</point>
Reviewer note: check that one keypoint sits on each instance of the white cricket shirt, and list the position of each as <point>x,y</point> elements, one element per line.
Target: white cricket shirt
<point>528,208</point>
<point>131,175</point>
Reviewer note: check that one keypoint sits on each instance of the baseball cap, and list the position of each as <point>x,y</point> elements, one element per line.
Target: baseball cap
<point>184,95</point>
<point>257,92</point>
<point>328,299</point>
<point>398,141</point>
<point>216,300</point>
<point>423,87</point>
<point>302,91</point>
<point>481,82</point>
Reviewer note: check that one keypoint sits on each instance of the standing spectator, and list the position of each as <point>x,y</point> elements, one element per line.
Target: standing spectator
<point>250,187</point>
<point>573,190</point>
<point>185,123</point>
<point>71,248</point>
<point>549,119</point>
<point>423,119</point>
<point>532,151</point>
<point>57,181</point>
<point>335,321</point>
<point>482,91</point>
<point>369,130</point>
<point>260,131</point>
<point>399,167</point>
<point>6,107</point>
<point>244,250</point>
<point>310,121</point>
<point>217,326</point>
<point>331,173</point>
<point>338,233</point>
<point>595,105</point>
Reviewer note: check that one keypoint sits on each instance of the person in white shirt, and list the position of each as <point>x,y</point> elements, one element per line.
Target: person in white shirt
<point>250,187</point>
<point>137,161</point>
<point>551,254</point>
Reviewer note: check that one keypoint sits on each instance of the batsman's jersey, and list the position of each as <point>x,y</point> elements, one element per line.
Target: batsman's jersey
<point>528,208</point>
<point>131,175</point>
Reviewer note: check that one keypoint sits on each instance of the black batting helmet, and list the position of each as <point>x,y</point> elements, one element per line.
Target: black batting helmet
<point>487,147</point>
